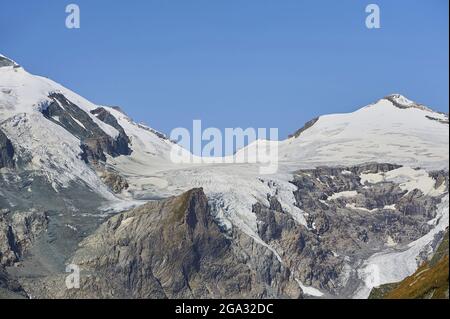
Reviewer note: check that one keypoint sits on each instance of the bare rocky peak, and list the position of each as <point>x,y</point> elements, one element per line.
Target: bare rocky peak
<point>6,151</point>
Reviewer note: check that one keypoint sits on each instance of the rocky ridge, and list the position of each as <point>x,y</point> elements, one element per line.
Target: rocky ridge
<point>171,248</point>
<point>6,152</point>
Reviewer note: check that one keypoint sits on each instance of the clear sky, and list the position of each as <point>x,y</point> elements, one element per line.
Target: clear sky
<point>234,63</point>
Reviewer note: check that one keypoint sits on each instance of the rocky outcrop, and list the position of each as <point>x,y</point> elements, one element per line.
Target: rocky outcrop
<point>6,151</point>
<point>376,212</point>
<point>172,248</point>
<point>304,128</point>
<point>114,181</point>
<point>18,230</point>
<point>343,230</point>
<point>123,140</point>
<point>401,102</point>
<point>5,62</point>
<point>95,142</point>
<point>301,251</point>
<point>347,220</point>
<point>159,134</point>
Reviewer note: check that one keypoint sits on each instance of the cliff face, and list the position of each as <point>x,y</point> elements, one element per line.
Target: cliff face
<point>18,230</point>
<point>17,233</point>
<point>170,249</point>
<point>95,142</point>
<point>321,225</point>
<point>6,152</point>
<point>175,248</point>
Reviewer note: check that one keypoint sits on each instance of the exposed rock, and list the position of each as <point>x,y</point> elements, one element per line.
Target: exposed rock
<point>370,215</point>
<point>174,248</point>
<point>159,134</point>
<point>114,181</point>
<point>123,140</point>
<point>171,249</point>
<point>95,142</point>
<point>118,108</point>
<point>304,128</point>
<point>300,250</point>
<point>402,103</point>
<point>370,219</point>
<point>442,121</point>
<point>18,230</point>
<point>5,62</point>
<point>10,288</point>
<point>442,178</point>
<point>106,117</point>
<point>6,152</point>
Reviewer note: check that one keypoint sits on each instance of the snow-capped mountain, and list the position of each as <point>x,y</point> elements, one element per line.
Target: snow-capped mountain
<point>392,130</point>
<point>51,127</point>
<point>355,194</point>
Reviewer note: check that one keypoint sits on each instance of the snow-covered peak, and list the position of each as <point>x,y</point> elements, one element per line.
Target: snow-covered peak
<point>403,102</point>
<point>400,99</point>
<point>25,93</point>
<point>50,145</point>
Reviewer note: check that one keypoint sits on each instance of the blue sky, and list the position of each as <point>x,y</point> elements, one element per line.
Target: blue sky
<point>234,63</point>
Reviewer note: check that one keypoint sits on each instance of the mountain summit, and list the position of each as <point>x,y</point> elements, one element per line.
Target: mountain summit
<point>401,101</point>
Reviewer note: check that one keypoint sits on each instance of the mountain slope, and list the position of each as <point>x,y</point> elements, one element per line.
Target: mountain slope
<point>354,194</point>
<point>430,281</point>
<point>54,130</point>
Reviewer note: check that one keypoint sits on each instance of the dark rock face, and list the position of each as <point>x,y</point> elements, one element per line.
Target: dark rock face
<point>174,248</point>
<point>444,121</point>
<point>348,226</point>
<point>171,249</point>
<point>17,232</point>
<point>106,117</point>
<point>300,250</point>
<point>114,181</point>
<point>4,62</point>
<point>95,142</point>
<point>430,281</point>
<point>376,216</point>
<point>123,140</point>
<point>6,152</point>
<point>342,231</point>
<point>393,99</point>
